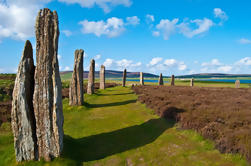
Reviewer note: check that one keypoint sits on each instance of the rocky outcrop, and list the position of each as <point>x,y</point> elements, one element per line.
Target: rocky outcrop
<point>102,77</point>
<point>172,80</point>
<point>161,82</point>
<point>237,84</point>
<point>141,78</point>
<point>124,78</point>
<point>47,99</point>
<point>22,114</point>
<point>91,78</point>
<point>192,82</point>
<point>76,90</point>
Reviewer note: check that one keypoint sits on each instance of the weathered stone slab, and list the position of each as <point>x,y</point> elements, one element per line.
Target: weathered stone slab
<point>192,82</point>
<point>237,84</point>
<point>161,82</point>
<point>141,78</point>
<point>172,80</point>
<point>76,90</point>
<point>22,114</point>
<point>91,78</point>
<point>102,77</point>
<point>47,100</point>
<point>124,78</point>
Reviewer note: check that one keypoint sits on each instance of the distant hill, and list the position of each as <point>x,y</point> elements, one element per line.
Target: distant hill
<point>118,74</point>
<point>213,75</point>
<point>109,74</point>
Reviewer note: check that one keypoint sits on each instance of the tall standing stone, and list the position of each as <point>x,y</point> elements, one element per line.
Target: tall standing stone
<point>161,82</point>
<point>47,99</point>
<point>91,78</point>
<point>124,78</point>
<point>237,84</point>
<point>192,82</point>
<point>172,80</point>
<point>141,78</point>
<point>22,114</point>
<point>76,87</point>
<point>102,77</point>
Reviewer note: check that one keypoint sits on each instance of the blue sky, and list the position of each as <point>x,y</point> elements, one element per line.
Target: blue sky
<point>161,36</point>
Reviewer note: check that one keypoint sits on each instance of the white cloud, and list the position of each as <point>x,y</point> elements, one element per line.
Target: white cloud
<point>67,33</point>
<point>134,20</point>
<point>155,61</point>
<point>121,64</point>
<point>244,61</point>
<point>150,18</point>
<point>124,63</point>
<point>18,18</point>
<point>216,66</point>
<point>59,57</point>
<point>156,33</point>
<point>202,27</point>
<point>112,27</point>
<point>96,65</point>
<point>224,69</point>
<point>157,65</point>
<point>188,28</point>
<point>167,27</point>
<point>108,63</point>
<point>97,57</point>
<point>182,66</point>
<point>219,13</point>
<point>106,5</point>
<point>85,55</point>
<point>214,62</point>
<point>67,68</point>
<point>244,41</point>
<point>138,64</point>
<point>171,63</point>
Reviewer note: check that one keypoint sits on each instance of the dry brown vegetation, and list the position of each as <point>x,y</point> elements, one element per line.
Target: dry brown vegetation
<point>6,88</point>
<point>220,114</point>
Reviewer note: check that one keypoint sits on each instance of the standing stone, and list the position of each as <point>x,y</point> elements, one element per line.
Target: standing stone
<point>173,80</point>
<point>102,77</point>
<point>22,114</point>
<point>161,82</point>
<point>237,84</point>
<point>47,99</point>
<point>141,78</point>
<point>91,78</point>
<point>192,82</point>
<point>76,87</point>
<point>124,78</point>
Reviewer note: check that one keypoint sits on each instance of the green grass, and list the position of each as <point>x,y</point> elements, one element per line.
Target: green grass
<point>66,76</point>
<point>179,82</point>
<point>113,129</point>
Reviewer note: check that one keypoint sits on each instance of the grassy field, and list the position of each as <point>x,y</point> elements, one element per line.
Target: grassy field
<point>179,82</point>
<point>113,129</point>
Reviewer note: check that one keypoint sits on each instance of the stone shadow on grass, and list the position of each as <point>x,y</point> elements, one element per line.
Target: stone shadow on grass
<point>109,104</point>
<point>99,146</point>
